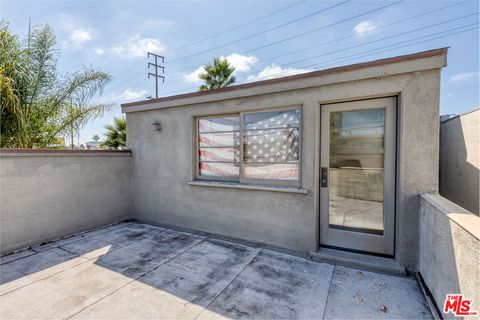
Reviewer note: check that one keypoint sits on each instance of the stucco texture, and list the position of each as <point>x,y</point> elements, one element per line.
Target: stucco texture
<point>162,161</point>
<point>46,196</point>
<point>449,250</point>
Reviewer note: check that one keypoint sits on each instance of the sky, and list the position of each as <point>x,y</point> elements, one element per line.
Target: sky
<point>261,39</point>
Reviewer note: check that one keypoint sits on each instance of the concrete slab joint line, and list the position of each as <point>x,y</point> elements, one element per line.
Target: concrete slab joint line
<point>150,272</point>
<point>253,258</point>
<point>329,288</point>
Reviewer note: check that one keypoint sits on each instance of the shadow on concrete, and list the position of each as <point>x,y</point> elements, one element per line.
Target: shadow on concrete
<point>141,271</point>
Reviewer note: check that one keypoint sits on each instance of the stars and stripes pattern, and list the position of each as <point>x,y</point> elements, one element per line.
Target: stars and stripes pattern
<point>270,145</point>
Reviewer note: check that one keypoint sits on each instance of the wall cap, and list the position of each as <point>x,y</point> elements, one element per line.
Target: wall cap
<point>462,217</point>
<point>14,152</point>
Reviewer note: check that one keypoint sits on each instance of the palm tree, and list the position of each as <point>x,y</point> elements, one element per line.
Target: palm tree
<point>38,102</point>
<point>96,138</point>
<point>219,74</point>
<point>116,135</point>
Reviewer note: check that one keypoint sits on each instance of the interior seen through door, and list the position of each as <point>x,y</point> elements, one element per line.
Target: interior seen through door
<point>357,170</point>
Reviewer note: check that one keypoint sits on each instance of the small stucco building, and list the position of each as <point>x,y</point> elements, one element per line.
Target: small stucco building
<point>331,160</point>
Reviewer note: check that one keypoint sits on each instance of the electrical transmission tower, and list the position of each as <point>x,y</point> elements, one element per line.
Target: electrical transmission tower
<point>156,65</point>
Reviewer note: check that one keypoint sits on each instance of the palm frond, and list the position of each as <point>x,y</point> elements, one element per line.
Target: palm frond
<point>37,104</point>
<point>42,62</point>
<point>83,85</point>
<point>77,116</point>
<point>217,75</point>
<point>116,135</point>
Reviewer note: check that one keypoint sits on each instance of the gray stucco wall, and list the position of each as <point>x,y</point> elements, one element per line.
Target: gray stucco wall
<point>460,160</point>
<point>449,250</point>
<point>162,162</point>
<point>48,195</point>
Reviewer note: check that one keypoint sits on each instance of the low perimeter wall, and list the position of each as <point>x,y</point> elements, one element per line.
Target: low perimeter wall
<point>449,250</point>
<point>48,194</point>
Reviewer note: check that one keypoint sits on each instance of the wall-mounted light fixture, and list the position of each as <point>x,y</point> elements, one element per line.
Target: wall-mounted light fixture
<point>157,126</point>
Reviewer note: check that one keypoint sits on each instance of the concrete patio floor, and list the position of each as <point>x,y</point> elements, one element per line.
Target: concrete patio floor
<point>134,271</point>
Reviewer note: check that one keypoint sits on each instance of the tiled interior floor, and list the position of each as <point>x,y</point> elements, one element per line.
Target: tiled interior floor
<point>134,271</point>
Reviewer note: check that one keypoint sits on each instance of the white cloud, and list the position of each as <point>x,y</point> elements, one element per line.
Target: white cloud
<point>137,47</point>
<point>193,76</point>
<point>99,51</point>
<point>77,38</point>
<point>241,63</point>
<point>131,94</point>
<point>274,71</point>
<point>464,76</point>
<point>365,26</point>
<point>77,34</point>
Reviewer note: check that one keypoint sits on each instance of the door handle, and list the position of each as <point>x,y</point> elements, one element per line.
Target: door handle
<point>324,177</point>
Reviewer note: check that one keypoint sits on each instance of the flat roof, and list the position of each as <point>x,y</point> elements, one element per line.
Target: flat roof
<point>300,76</point>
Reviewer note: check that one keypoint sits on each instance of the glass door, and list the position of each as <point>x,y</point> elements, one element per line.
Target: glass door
<point>357,182</point>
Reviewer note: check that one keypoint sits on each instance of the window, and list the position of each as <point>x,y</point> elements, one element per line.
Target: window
<point>219,147</point>
<point>252,147</point>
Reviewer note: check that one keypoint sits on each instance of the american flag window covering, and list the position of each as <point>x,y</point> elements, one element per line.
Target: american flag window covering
<point>272,145</point>
<point>269,141</point>
<point>219,146</point>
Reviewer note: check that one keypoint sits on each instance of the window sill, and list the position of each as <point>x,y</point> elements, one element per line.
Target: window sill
<point>235,185</point>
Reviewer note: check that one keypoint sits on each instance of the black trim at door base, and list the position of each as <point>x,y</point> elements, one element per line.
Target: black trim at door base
<point>358,251</point>
<point>362,230</point>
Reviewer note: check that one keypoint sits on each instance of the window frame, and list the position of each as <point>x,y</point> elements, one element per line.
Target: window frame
<point>241,179</point>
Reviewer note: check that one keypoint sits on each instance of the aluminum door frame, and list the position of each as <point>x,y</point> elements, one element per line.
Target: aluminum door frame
<point>351,240</point>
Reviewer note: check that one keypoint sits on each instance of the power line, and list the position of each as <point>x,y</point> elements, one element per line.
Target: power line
<point>390,48</point>
<point>362,44</point>
<point>261,32</point>
<point>240,26</point>
<point>108,89</point>
<point>308,32</point>
<point>317,29</point>
<point>406,41</point>
<point>366,32</point>
<point>304,49</point>
<point>248,37</point>
<point>382,39</point>
<point>399,47</point>
<point>221,33</point>
<point>352,47</point>
<point>320,28</point>
<point>356,55</point>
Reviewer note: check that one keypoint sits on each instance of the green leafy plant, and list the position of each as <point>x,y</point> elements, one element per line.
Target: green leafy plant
<point>116,135</point>
<point>39,103</point>
<point>218,74</point>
